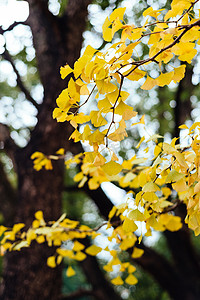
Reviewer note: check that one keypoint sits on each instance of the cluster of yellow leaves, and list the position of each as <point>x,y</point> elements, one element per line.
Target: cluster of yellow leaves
<point>104,73</point>
<point>41,160</point>
<point>156,186</point>
<point>65,230</point>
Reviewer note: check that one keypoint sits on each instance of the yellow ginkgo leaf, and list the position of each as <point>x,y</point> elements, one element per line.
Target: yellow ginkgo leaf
<point>112,168</point>
<point>117,281</point>
<point>137,252</point>
<point>93,250</point>
<point>149,83</point>
<point>66,70</point>
<point>51,262</point>
<point>131,279</point>
<point>70,272</point>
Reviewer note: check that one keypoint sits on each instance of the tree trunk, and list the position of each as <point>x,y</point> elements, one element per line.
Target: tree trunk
<point>56,41</point>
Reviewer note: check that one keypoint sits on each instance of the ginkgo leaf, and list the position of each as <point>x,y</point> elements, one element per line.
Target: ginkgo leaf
<point>174,176</point>
<point>136,215</point>
<point>197,187</point>
<point>51,262</point>
<point>129,225</point>
<point>149,83</point>
<point>137,252</point>
<point>70,272</point>
<point>93,250</point>
<point>164,79</point>
<point>128,114</point>
<point>179,73</point>
<point>64,71</point>
<point>107,32</point>
<point>131,279</point>
<point>117,281</point>
<point>131,269</point>
<point>117,13</point>
<point>112,168</point>
<point>150,187</point>
<point>118,135</point>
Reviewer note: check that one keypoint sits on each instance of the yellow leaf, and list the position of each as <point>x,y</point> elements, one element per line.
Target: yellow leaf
<point>180,186</point>
<point>93,250</point>
<point>84,90</point>
<point>174,176</point>
<point>150,187</point>
<point>40,239</point>
<point>117,281</point>
<point>61,151</point>
<point>181,159</point>
<point>51,262</point>
<point>136,75</point>
<point>117,13</point>
<point>70,272</point>
<point>129,225</point>
<point>165,79</point>
<point>93,184</point>
<point>122,108</point>
<point>96,118</point>
<point>136,215</point>
<point>78,246</point>
<point>39,215</point>
<point>78,176</point>
<point>179,74</point>
<point>183,127</point>
<point>79,256</point>
<point>66,70</point>
<point>18,227</point>
<point>112,212</point>
<point>131,269</point>
<point>149,83</point>
<point>137,252</point>
<point>118,135</point>
<point>197,187</point>
<point>128,114</point>
<point>131,279</point>
<point>89,51</point>
<point>112,168</point>
<point>128,242</point>
<point>107,32</point>
<point>99,160</point>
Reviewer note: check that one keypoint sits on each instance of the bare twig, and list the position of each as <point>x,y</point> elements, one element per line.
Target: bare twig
<point>20,83</point>
<point>113,108</point>
<point>11,27</point>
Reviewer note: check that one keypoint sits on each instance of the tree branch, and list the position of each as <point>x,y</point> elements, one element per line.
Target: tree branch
<point>11,27</point>
<point>20,83</point>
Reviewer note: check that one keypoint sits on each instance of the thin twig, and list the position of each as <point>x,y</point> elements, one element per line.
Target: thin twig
<point>20,83</point>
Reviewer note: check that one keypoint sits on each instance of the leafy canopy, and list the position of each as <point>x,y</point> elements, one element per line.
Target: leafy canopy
<point>157,183</point>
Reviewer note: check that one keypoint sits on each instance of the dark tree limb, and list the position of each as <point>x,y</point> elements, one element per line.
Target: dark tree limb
<point>6,55</point>
<point>164,272</point>
<point>102,287</point>
<point>183,108</point>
